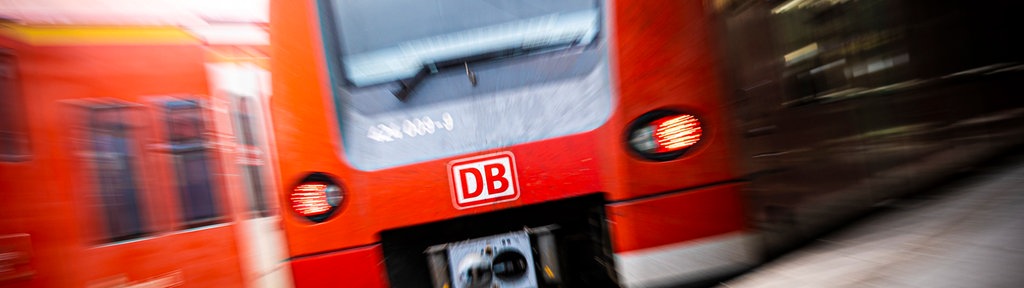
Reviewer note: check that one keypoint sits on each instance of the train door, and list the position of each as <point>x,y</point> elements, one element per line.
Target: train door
<point>15,243</point>
<point>241,90</point>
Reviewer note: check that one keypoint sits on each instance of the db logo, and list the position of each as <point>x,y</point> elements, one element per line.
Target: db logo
<point>483,180</point>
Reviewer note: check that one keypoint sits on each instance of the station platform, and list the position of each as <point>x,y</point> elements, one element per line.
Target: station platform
<point>968,232</point>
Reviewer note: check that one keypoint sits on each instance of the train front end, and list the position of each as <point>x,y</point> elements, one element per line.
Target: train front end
<point>504,144</point>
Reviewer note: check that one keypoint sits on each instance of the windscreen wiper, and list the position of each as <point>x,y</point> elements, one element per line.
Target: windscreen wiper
<point>408,85</point>
<point>405,86</point>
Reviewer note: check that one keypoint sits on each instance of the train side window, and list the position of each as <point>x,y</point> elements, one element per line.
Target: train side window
<point>13,126</point>
<point>112,148</point>
<point>251,157</point>
<point>192,165</point>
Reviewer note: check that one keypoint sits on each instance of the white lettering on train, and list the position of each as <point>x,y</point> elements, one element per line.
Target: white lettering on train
<point>409,128</point>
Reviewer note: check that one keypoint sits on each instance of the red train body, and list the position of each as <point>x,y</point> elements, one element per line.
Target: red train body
<point>116,172</point>
<point>652,216</point>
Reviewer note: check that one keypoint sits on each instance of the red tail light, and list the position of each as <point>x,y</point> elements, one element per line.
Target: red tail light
<point>316,198</point>
<point>674,133</point>
<point>664,135</point>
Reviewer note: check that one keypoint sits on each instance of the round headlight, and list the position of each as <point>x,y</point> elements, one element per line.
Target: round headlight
<point>316,197</point>
<point>664,135</point>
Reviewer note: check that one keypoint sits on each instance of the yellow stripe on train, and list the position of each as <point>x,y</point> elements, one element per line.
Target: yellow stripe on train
<point>79,35</point>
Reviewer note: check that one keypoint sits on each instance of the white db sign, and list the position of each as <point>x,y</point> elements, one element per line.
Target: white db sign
<point>483,180</point>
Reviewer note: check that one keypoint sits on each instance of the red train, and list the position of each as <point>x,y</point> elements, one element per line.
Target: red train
<point>589,131</point>
<point>134,157</point>
<point>614,143</point>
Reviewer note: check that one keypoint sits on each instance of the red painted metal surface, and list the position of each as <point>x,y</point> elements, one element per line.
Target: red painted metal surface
<point>359,267</point>
<point>674,218</point>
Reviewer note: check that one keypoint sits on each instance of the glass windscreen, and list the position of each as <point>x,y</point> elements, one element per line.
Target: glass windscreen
<point>417,80</point>
<point>384,41</point>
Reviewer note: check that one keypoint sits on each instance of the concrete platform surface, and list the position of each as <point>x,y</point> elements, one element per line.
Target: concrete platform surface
<point>969,233</point>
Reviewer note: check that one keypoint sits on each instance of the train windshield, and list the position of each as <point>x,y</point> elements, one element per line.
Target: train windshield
<point>383,41</point>
<point>416,80</point>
